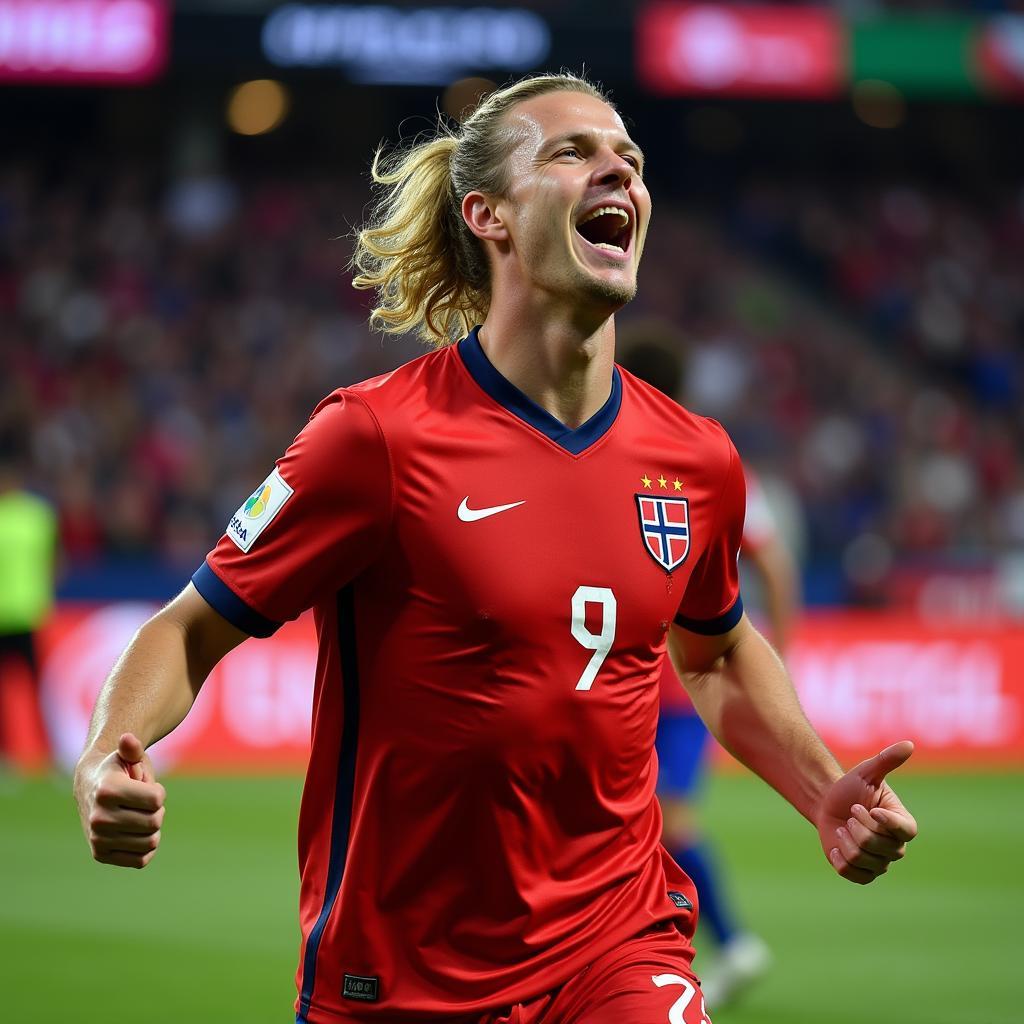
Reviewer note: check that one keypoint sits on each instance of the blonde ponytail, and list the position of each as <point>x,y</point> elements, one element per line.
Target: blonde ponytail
<point>429,270</point>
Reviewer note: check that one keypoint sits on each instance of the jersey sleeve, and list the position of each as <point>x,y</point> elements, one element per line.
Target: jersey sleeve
<point>711,604</point>
<point>316,522</point>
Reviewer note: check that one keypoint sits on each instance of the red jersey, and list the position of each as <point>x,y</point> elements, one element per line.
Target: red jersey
<point>492,593</point>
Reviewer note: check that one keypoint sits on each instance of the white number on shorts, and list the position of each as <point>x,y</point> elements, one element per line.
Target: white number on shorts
<point>601,643</point>
<point>675,1014</point>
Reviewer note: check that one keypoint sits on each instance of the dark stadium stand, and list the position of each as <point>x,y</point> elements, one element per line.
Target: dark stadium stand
<point>163,341</point>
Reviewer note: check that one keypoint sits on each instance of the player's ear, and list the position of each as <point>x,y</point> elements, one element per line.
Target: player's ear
<point>481,215</point>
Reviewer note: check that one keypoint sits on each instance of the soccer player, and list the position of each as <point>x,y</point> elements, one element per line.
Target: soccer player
<point>497,540</point>
<point>654,353</point>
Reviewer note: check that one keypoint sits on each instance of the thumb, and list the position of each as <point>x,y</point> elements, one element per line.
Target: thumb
<point>131,751</point>
<point>875,769</point>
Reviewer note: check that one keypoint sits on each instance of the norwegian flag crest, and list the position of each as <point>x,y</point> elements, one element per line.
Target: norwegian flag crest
<point>665,527</point>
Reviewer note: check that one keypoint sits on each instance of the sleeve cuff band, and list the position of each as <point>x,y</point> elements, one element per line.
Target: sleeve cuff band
<point>713,627</point>
<point>222,599</point>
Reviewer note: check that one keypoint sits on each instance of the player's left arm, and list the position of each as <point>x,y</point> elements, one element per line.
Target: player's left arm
<point>741,689</point>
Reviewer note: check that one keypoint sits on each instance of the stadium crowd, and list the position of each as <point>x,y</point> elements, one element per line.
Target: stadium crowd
<point>929,455</point>
<point>161,345</point>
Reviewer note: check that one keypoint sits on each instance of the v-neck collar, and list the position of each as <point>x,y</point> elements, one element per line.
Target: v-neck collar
<point>505,393</point>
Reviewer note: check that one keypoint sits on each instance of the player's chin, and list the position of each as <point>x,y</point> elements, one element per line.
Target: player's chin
<point>612,289</point>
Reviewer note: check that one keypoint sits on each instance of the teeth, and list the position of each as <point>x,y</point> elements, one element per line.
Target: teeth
<point>603,210</point>
<point>606,245</point>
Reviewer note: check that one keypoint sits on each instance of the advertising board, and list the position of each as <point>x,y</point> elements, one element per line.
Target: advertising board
<point>865,679</point>
<point>714,49</point>
<point>83,41</point>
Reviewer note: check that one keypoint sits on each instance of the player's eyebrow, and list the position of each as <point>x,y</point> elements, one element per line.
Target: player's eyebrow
<point>624,144</point>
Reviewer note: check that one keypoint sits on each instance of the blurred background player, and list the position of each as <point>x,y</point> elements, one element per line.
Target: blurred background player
<point>28,552</point>
<point>656,354</point>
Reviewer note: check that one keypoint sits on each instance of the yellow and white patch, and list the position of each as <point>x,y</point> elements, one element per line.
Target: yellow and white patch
<point>258,510</point>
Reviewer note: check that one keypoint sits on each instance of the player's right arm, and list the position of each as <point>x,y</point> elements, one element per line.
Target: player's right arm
<point>148,693</point>
<point>315,522</point>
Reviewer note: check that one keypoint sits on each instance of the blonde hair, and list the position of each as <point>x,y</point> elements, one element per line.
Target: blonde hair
<point>429,270</point>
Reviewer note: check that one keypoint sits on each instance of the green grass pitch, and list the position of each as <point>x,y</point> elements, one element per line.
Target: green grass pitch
<point>207,933</point>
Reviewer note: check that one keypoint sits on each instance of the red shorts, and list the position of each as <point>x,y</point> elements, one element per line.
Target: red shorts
<point>646,980</point>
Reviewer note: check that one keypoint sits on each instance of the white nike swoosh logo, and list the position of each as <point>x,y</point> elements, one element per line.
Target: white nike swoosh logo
<point>471,515</point>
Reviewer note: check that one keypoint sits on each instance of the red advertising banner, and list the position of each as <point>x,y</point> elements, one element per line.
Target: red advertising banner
<point>954,687</point>
<point>714,49</point>
<point>253,713</point>
<point>866,679</point>
<point>98,41</point>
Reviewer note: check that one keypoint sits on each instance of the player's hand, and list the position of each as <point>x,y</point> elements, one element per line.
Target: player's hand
<point>121,805</point>
<point>862,824</point>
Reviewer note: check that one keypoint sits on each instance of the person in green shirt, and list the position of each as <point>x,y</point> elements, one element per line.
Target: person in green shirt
<point>28,553</point>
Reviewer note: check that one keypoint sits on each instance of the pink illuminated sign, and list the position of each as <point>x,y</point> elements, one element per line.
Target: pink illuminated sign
<point>111,41</point>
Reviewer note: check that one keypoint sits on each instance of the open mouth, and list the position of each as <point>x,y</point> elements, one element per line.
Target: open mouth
<point>608,227</point>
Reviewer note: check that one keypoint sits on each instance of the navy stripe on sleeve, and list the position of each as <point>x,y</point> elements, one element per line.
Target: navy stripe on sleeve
<point>221,598</point>
<point>716,626</point>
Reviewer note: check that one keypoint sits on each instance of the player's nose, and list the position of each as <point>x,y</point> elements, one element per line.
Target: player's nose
<point>614,169</point>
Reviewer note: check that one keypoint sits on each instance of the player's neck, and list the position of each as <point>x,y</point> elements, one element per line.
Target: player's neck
<point>564,366</point>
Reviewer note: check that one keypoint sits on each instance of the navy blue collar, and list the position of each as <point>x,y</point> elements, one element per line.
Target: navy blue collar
<point>507,394</point>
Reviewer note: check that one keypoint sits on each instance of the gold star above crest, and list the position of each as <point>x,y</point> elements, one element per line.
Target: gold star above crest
<point>677,485</point>
<point>645,480</point>
<point>662,482</point>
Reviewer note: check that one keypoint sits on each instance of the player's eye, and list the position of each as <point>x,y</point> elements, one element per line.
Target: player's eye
<point>571,151</point>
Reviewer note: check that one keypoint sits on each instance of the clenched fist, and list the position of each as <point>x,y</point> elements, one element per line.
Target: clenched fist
<point>862,823</point>
<point>121,805</point>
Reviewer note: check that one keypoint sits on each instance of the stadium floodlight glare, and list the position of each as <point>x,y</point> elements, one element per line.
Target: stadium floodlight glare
<point>257,107</point>
<point>463,96</point>
<point>414,45</point>
<point>879,104</point>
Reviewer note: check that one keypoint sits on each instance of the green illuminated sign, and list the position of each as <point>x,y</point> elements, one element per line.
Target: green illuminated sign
<point>921,56</point>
